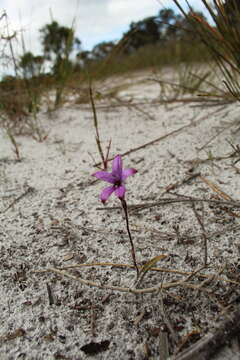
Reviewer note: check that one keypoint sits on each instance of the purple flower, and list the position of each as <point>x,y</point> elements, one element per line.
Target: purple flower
<point>117,178</point>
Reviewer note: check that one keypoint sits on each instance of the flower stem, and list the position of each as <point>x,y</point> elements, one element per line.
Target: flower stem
<point>125,208</point>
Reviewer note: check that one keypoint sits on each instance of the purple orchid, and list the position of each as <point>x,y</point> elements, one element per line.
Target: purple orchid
<point>117,178</point>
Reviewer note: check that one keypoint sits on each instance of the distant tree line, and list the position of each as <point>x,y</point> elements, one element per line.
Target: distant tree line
<point>59,42</point>
<point>166,26</point>
<point>63,53</point>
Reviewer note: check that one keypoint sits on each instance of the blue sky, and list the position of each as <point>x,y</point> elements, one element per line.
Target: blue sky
<point>95,20</point>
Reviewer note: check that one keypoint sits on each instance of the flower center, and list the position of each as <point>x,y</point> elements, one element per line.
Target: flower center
<point>117,183</point>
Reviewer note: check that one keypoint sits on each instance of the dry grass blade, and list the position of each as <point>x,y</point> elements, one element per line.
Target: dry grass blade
<point>28,191</point>
<point>216,189</point>
<point>98,141</point>
<point>149,264</point>
<point>166,319</point>
<point>163,345</point>
<point>222,40</point>
<point>95,121</point>
<point>171,133</point>
<point>14,143</point>
<point>166,201</point>
<point>205,239</point>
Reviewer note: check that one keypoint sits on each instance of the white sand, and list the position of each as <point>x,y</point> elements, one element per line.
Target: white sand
<point>58,224</point>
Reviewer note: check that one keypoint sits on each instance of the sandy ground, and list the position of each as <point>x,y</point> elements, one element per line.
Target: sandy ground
<point>51,217</point>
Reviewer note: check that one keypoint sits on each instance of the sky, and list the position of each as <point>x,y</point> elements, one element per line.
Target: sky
<point>94,20</point>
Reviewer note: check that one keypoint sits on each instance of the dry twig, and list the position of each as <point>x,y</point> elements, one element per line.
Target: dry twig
<point>174,132</point>
<point>165,270</point>
<point>200,222</point>
<point>138,207</point>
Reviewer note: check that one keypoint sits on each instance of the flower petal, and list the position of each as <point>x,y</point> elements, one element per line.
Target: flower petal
<point>128,172</point>
<point>105,176</point>
<point>106,193</point>
<point>120,191</point>
<point>117,166</point>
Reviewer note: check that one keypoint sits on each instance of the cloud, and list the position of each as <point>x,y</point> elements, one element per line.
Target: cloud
<point>94,20</point>
<point>126,11</point>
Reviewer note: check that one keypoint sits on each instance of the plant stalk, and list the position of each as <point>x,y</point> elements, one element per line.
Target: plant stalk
<point>125,209</point>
